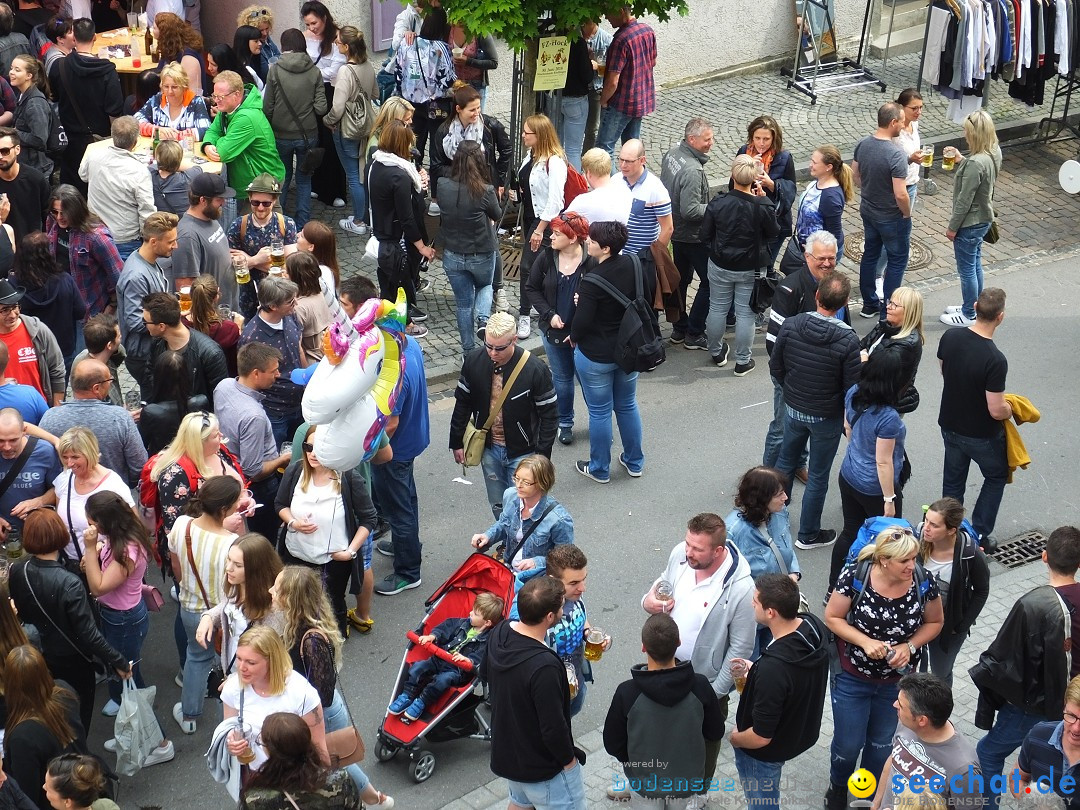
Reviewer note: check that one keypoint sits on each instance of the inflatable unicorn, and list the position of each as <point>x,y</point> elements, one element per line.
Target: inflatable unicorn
<point>353,389</point>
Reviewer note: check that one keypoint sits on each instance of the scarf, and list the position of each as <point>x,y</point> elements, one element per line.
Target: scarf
<point>458,133</point>
<point>764,157</point>
<point>390,159</point>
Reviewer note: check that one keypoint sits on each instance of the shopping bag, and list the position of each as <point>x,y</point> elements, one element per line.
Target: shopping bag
<point>136,730</point>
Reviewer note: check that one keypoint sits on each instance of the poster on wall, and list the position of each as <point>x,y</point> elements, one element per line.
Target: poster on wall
<point>552,62</point>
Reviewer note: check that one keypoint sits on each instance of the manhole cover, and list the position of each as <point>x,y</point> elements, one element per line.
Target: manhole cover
<point>1020,550</point>
<point>920,257</point>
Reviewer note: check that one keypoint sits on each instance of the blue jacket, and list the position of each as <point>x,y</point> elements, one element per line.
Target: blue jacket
<point>755,548</point>
<point>450,632</point>
<point>556,528</point>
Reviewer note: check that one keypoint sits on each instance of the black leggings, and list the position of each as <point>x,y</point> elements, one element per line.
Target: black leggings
<point>81,676</point>
<point>335,579</point>
<point>857,507</point>
<point>395,269</point>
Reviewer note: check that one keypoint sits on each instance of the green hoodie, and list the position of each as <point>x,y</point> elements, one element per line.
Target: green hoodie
<point>245,143</point>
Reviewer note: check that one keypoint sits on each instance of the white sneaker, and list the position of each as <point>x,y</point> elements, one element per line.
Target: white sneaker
<point>502,304</point>
<point>111,709</point>
<point>338,202</point>
<point>524,327</point>
<point>352,226</point>
<point>314,195</point>
<point>956,319</point>
<point>186,726</point>
<point>434,210</point>
<point>179,679</point>
<point>385,802</point>
<point>953,308</point>
<point>110,745</point>
<point>163,753</point>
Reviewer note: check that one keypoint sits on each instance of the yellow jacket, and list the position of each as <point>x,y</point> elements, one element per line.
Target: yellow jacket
<point>1023,411</point>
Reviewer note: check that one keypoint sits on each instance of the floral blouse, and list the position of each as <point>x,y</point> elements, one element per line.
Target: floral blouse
<point>175,490</point>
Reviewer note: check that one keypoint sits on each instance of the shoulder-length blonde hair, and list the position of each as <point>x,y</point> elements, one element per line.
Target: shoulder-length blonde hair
<point>266,642</point>
<point>306,470</point>
<point>188,441</point>
<point>394,108</point>
<point>980,132</point>
<point>304,605</point>
<point>174,71</point>
<point>80,441</point>
<point>911,300</point>
<point>547,140</point>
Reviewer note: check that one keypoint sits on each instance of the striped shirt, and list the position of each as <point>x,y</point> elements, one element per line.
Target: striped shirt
<point>209,551</point>
<point>651,201</point>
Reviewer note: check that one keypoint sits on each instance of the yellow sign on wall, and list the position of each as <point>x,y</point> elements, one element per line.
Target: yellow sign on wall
<point>551,63</point>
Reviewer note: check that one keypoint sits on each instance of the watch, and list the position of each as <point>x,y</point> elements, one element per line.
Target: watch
<point>889,498</point>
<point>912,649</point>
<point>352,554</point>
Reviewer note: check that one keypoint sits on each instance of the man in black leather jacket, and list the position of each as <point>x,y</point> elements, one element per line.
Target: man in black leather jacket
<point>528,419</point>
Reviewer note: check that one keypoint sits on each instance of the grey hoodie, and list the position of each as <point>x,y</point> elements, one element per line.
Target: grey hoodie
<point>294,77</point>
<point>683,175</point>
<point>49,358</point>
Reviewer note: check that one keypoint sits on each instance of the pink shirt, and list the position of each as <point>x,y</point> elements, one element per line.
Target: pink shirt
<point>129,594</point>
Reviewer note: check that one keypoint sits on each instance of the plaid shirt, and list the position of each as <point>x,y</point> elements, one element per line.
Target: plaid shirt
<point>93,262</point>
<point>632,55</point>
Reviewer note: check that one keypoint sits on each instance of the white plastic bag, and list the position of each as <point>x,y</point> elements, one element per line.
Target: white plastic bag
<point>136,730</point>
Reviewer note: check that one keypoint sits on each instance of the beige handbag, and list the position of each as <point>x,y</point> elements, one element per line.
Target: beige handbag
<point>475,439</point>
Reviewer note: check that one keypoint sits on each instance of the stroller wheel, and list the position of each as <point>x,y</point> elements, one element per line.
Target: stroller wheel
<point>384,752</point>
<point>423,766</point>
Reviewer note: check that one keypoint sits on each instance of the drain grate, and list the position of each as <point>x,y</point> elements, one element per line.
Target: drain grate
<point>1020,550</point>
<point>919,258</point>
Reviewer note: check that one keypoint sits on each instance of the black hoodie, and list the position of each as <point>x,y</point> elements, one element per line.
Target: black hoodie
<point>785,692</point>
<point>94,84</point>
<point>650,729</point>
<point>530,707</point>
<point>60,305</point>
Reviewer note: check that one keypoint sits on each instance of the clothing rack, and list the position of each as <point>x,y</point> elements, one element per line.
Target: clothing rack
<point>922,57</point>
<point>810,74</point>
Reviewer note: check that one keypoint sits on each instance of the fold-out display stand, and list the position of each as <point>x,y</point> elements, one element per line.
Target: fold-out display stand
<point>817,69</point>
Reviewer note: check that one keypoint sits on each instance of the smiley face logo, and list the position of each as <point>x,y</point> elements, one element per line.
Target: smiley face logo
<point>862,784</point>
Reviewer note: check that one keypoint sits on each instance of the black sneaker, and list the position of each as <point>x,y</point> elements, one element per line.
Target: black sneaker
<point>385,546</point>
<point>987,544</point>
<point>825,537</point>
<point>869,312</point>
<point>417,314</point>
<point>677,336</point>
<point>742,369</point>
<point>696,342</point>
<point>836,797</point>
<point>392,584</point>
<point>720,360</point>
<point>381,528</point>
<point>566,435</point>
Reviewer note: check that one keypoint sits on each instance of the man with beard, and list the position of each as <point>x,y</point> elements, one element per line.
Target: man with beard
<point>26,188</point>
<point>201,244</point>
<point>712,603</point>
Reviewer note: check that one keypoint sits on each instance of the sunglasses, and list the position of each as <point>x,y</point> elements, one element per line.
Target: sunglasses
<point>6,150</point>
<point>308,447</point>
<point>259,12</point>
<point>502,348</point>
<point>56,211</point>
<point>205,420</point>
<point>261,203</point>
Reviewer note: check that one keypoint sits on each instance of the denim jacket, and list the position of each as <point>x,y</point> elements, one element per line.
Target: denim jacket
<point>556,529</point>
<point>755,548</point>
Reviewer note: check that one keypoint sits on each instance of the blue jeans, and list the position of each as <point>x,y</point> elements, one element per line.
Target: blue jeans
<point>498,474</point>
<point>561,360</point>
<point>993,463</point>
<point>125,249</point>
<point>967,247</point>
<point>607,387</point>
<point>297,149</point>
<point>894,236</point>
<point>335,718</point>
<point>760,780</point>
<point>564,791</point>
<point>470,277</point>
<point>615,126</point>
<point>126,631</point>
<point>775,437</point>
<point>349,154</point>
<point>284,427</point>
<point>725,285</point>
<point>427,682</point>
<point>572,118</point>
<point>1010,727</point>
<point>824,438</point>
<point>912,192</point>
<point>691,258</point>
<point>396,488</point>
<point>864,720</point>
<point>197,666</point>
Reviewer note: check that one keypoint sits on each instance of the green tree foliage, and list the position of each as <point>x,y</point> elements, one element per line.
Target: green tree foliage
<point>520,22</point>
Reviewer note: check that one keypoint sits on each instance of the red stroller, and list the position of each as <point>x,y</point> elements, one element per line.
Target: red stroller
<point>456,714</point>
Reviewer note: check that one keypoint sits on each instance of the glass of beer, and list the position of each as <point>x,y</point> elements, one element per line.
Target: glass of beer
<point>739,671</point>
<point>240,268</point>
<point>927,155</point>
<point>664,591</point>
<point>948,158</point>
<point>571,680</point>
<point>277,255</point>
<point>185,300</point>
<point>594,643</point>
<point>242,731</point>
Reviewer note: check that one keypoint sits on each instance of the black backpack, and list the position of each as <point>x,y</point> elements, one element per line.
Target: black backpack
<point>638,346</point>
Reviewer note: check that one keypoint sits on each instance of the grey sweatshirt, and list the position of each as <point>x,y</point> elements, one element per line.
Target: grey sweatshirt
<point>295,77</point>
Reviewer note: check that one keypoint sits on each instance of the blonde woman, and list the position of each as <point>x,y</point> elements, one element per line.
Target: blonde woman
<point>972,211</point>
<point>266,680</point>
<point>895,610</point>
<point>328,519</point>
<point>82,477</point>
<point>541,177</point>
<point>394,108</point>
<point>174,110</point>
<point>262,18</point>
<point>314,643</point>
<point>900,332</point>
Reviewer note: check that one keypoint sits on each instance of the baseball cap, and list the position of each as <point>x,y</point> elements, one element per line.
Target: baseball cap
<point>210,185</point>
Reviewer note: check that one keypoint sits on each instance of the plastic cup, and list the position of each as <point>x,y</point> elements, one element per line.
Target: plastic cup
<point>136,61</point>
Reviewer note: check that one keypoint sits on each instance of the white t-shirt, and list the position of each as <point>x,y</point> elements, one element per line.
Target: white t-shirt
<point>75,517</point>
<point>609,203</point>
<point>693,602</point>
<point>299,698</point>
<point>324,507</point>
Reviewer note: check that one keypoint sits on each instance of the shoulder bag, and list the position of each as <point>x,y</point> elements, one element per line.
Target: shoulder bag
<point>765,281</point>
<point>345,746</point>
<point>315,154</point>
<point>18,464</point>
<point>76,106</point>
<point>475,439</point>
<point>804,605</point>
<point>356,122</point>
<point>507,554</point>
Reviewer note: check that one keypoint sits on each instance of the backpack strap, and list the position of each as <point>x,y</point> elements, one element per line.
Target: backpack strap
<point>608,287</point>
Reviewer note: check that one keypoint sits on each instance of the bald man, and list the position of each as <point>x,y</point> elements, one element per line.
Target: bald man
<point>121,447</point>
<point>650,213</point>
<point>32,487</point>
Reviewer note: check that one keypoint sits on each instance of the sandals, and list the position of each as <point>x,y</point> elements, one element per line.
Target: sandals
<point>361,625</point>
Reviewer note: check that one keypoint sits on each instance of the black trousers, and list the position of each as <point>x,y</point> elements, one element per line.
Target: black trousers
<point>857,507</point>
<point>80,675</point>
<point>335,579</point>
<point>395,269</point>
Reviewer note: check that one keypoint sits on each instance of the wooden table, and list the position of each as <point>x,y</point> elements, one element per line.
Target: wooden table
<point>144,147</point>
<point>121,36</point>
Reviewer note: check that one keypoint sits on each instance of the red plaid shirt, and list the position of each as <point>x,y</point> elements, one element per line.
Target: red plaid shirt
<point>633,56</point>
<point>93,262</point>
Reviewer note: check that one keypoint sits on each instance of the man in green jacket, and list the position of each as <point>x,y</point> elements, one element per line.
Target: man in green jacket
<point>240,136</point>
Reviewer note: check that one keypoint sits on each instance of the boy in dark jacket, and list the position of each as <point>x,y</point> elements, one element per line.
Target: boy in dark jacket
<point>653,716</point>
<point>465,639</point>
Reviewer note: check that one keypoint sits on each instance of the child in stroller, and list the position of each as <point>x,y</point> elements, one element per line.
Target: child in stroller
<point>463,638</point>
